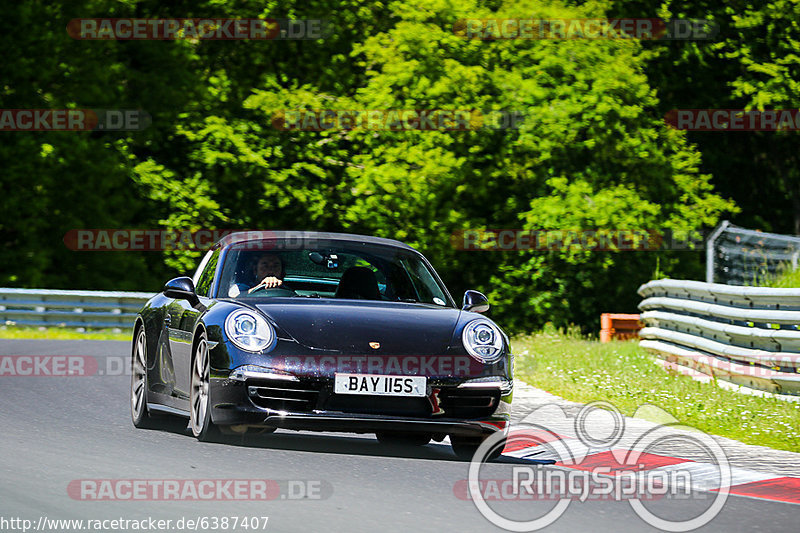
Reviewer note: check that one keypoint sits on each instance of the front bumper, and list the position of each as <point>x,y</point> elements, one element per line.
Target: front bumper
<point>467,408</point>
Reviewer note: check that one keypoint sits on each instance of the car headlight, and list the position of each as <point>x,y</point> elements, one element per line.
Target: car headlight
<point>483,340</point>
<point>249,331</point>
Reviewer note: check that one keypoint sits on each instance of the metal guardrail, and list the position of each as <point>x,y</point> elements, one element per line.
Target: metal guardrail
<point>88,309</point>
<point>749,336</point>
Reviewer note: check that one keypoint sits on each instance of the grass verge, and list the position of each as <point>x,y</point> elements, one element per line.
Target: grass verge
<point>23,332</point>
<point>786,278</point>
<point>583,370</point>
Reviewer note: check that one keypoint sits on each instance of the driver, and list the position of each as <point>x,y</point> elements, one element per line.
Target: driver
<point>270,270</point>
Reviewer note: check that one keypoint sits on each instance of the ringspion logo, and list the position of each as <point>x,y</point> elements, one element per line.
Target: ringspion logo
<point>620,465</point>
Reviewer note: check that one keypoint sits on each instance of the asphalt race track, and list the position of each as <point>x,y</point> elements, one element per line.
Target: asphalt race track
<point>60,430</point>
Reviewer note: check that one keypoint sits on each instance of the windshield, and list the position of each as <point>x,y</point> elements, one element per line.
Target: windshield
<point>343,270</point>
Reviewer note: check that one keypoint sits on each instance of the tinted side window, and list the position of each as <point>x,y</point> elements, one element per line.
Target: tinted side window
<point>207,277</point>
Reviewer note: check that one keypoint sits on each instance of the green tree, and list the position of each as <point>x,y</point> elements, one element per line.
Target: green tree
<point>592,153</point>
<point>592,150</point>
<point>752,63</point>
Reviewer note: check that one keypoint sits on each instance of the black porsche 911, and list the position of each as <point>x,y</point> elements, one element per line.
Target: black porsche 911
<point>322,332</point>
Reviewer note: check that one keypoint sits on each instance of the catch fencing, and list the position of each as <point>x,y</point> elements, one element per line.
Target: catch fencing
<point>747,336</point>
<point>739,256</point>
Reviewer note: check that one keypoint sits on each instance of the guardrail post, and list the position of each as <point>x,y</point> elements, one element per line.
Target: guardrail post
<point>710,249</point>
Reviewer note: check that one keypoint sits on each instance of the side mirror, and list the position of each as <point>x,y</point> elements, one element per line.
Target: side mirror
<point>181,288</point>
<point>475,301</point>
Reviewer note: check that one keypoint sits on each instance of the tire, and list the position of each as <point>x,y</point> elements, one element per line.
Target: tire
<point>140,416</point>
<point>465,447</point>
<point>200,397</point>
<point>397,438</point>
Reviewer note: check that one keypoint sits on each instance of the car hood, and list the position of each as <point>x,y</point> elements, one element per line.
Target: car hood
<point>350,327</point>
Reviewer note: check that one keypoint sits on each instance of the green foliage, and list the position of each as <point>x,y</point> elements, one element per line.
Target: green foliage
<point>752,63</point>
<point>591,153</point>
<point>622,373</point>
<point>768,50</point>
<point>786,278</point>
<point>28,332</point>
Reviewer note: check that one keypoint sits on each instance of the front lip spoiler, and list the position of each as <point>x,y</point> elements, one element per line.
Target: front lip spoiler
<point>364,423</point>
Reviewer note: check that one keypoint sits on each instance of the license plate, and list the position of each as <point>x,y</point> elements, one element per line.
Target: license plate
<point>379,385</point>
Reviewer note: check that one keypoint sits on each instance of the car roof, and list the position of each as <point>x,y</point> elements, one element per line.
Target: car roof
<point>246,236</point>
